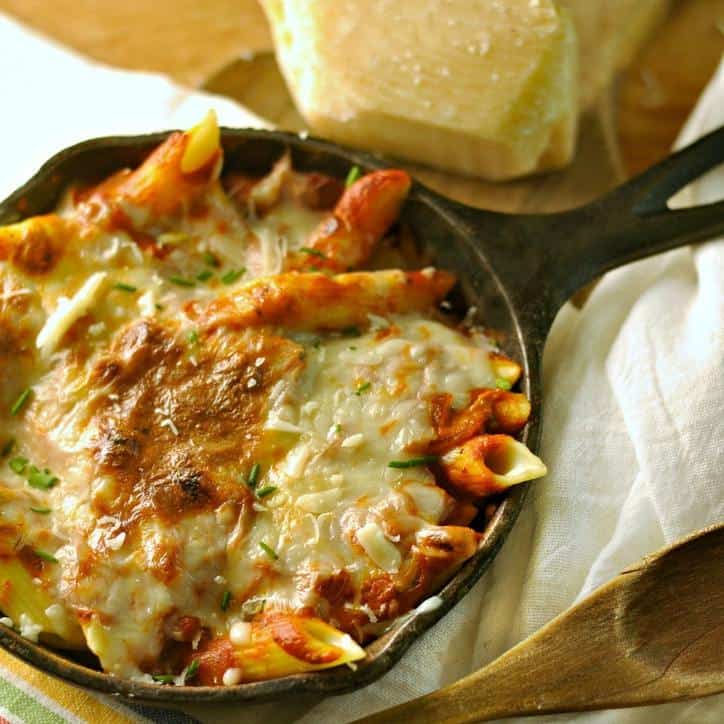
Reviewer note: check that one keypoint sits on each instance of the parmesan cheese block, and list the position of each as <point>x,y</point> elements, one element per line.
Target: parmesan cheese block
<point>480,87</point>
<point>609,34</point>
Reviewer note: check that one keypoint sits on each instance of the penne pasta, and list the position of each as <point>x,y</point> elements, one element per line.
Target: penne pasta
<point>274,644</point>
<point>346,238</point>
<point>225,456</point>
<point>32,609</point>
<point>489,411</point>
<point>315,301</point>
<point>489,464</point>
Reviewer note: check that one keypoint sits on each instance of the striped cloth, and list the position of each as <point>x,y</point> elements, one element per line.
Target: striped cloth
<point>28,696</point>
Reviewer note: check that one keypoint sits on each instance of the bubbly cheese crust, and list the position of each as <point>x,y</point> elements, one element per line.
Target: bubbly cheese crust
<point>194,498</point>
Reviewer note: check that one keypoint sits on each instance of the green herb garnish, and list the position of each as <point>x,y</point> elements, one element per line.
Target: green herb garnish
<point>210,259</point>
<point>265,491</point>
<point>159,307</point>
<point>413,462</point>
<point>253,478</point>
<point>42,479</point>
<point>313,252</point>
<point>17,465</point>
<point>7,448</point>
<point>233,275</point>
<point>181,282</point>
<point>163,678</point>
<point>45,556</point>
<point>225,600</point>
<point>193,337</point>
<point>123,287</point>
<point>352,176</point>
<point>269,551</point>
<point>21,401</point>
<point>316,343</point>
<point>41,511</point>
<point>351,331</point>
<point>502,384</point>
<point>362,388</point>
<point>191,670</point>
<point>204,275</point>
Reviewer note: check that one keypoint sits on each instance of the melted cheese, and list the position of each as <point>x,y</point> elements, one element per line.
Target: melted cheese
<point>152,424</point>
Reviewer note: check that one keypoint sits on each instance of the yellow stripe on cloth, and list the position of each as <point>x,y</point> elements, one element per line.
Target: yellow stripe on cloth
<point>67,701</point>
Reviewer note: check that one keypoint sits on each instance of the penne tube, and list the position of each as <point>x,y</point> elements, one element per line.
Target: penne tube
<point>275,644</point>
<point>490,410</point>
<point>318,302</point>
<point>346,238</point>
<point>505,368</point>
<point>175,174</point>
<point>203,145</point>
<point>489,464</point>
<point>31,608</point>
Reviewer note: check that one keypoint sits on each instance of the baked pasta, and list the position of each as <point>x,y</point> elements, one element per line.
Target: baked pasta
<point>239,435</point>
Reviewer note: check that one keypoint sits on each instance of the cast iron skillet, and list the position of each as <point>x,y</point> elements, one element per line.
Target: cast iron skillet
<point>516,270</point>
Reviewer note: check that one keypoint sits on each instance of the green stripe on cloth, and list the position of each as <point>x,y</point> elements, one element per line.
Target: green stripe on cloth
<point>22,705</point>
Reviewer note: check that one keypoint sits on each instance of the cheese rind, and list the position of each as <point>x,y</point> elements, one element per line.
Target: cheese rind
<point>479,87</point>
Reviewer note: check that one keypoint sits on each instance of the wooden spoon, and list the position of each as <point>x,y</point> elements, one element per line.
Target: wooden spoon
<point>654,634</point>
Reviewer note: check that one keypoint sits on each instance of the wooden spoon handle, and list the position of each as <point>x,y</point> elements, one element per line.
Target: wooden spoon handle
<point>654,634</point>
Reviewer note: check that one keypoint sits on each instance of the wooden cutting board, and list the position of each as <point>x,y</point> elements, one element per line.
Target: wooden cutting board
<point>224,45</point>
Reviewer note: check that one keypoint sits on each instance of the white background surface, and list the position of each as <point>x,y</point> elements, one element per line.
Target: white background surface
<point>634,393</point>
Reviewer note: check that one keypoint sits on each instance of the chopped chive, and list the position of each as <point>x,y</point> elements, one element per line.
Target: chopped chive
<point>205,275</point>
<point>351,331</point>
<point>159,307</point>
<point>41,511</point>
<point>123,287</point>
<point>502,384</point>
<point>313,252</point>
<point>352,176</point>
<point>181,282</point>
<point>20,402</point>
<point>338,428</point>
<point>314,269</point>
<point>225,600</point>
<point>316,343</point>
<point>191,670</point>
<point>267,490</point>
<point>412,462</point>
<point>163,678</point>
<point>42,479</point>
<point>352,347</point>
<point>269,551</point>
<point>233,275</point>
<point>45,556</point>
<point>362,388</point>
<point>193,337</point>
<point>7,448</point>
<point>210,259</point>
<point>17,465</point>
<point>253,477</point>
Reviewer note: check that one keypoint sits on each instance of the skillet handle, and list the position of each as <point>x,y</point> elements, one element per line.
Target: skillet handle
<point>633,221</point>
<point>542,259</point>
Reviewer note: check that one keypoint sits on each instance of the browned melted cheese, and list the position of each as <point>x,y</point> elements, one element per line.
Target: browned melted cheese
<point>198,422</point>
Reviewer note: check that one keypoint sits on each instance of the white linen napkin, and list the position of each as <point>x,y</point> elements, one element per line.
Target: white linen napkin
<point>634,388</point>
